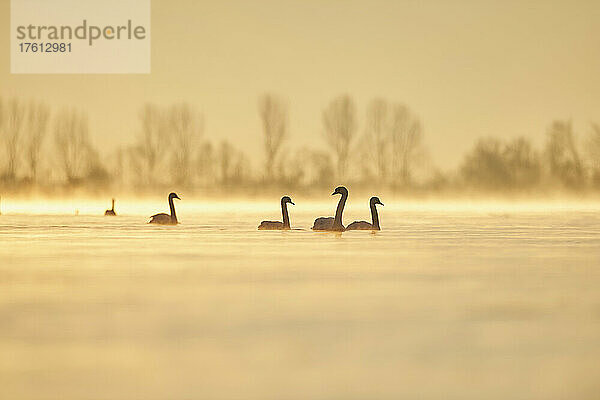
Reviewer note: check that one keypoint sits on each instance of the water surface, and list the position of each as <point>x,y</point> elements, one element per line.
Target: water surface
<point>491,303</point>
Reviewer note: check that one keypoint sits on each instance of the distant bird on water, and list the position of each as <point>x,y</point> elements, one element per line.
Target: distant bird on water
<point>364,225</point>
<point>111,212</point>
<point>276,225</point>
<point>333,224</point>
<point>166,219</point>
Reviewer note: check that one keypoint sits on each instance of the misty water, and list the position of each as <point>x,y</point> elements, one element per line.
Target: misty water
<point>456,302</point>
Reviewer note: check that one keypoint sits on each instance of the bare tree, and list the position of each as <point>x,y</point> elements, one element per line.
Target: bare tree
<point>593,152</point>
<point>339,122</point>
<point>38,117</point>
<point>484,166</point>
<point>310,167</point>
<point>2,120</point>
<point>136,166</point>
<point>15,118</point>
<point>241,169</point>
<point>523,163</point>
<point>406,136</point>
<point>563,156</point>
<point>273,113</point>
<point>234,167</point>
<point>226,161</point>
<point>292,169</point>
<point>377,136</point>
<point>115,163</point>
<point>495,166</point>
<point>206,163</point>
<point>71,136</point>
<point>185,128</point>
<point>152,143</point>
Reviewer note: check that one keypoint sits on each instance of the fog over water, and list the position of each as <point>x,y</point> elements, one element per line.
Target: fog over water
<point>492,301</point>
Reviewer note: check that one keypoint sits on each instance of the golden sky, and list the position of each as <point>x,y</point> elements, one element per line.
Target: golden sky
<point>467,68</point>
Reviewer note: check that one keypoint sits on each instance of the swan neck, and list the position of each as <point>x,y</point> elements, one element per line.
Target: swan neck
<point>374,216</point>
<point>340,209</point>
<point>172,207</point>
<point>284,213</point>
<point>113,205</point>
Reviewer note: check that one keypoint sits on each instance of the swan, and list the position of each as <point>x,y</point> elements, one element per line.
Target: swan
<point>276,225</point>
<point>166,219</point>
<point>329,223</point>
<point>112,210</point>
<point>364,225</point>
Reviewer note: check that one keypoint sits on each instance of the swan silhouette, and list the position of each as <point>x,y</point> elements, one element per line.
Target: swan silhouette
<point>364,225</point>
<point>166,219</point>
<point>111,212</point>
<point>333,224</point>
<point>276,225</point>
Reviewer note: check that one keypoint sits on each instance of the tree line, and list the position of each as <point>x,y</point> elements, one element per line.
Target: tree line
<point>48,150</point>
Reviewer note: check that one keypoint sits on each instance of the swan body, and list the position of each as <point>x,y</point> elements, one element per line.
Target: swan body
<point>272,226</point>
<point>277,225</point>
<point>361,226</point>
<point>323,224</point>
<point>333,224</point>
<point>162,219</point>
<point>364,225</point>
<point>111,212</point>
<point>166,219</point>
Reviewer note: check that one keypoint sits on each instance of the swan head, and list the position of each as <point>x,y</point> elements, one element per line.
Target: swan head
<point>286,199</point>
<point>375,200</point>
<point>173,195</point>
<point>340,190</point>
